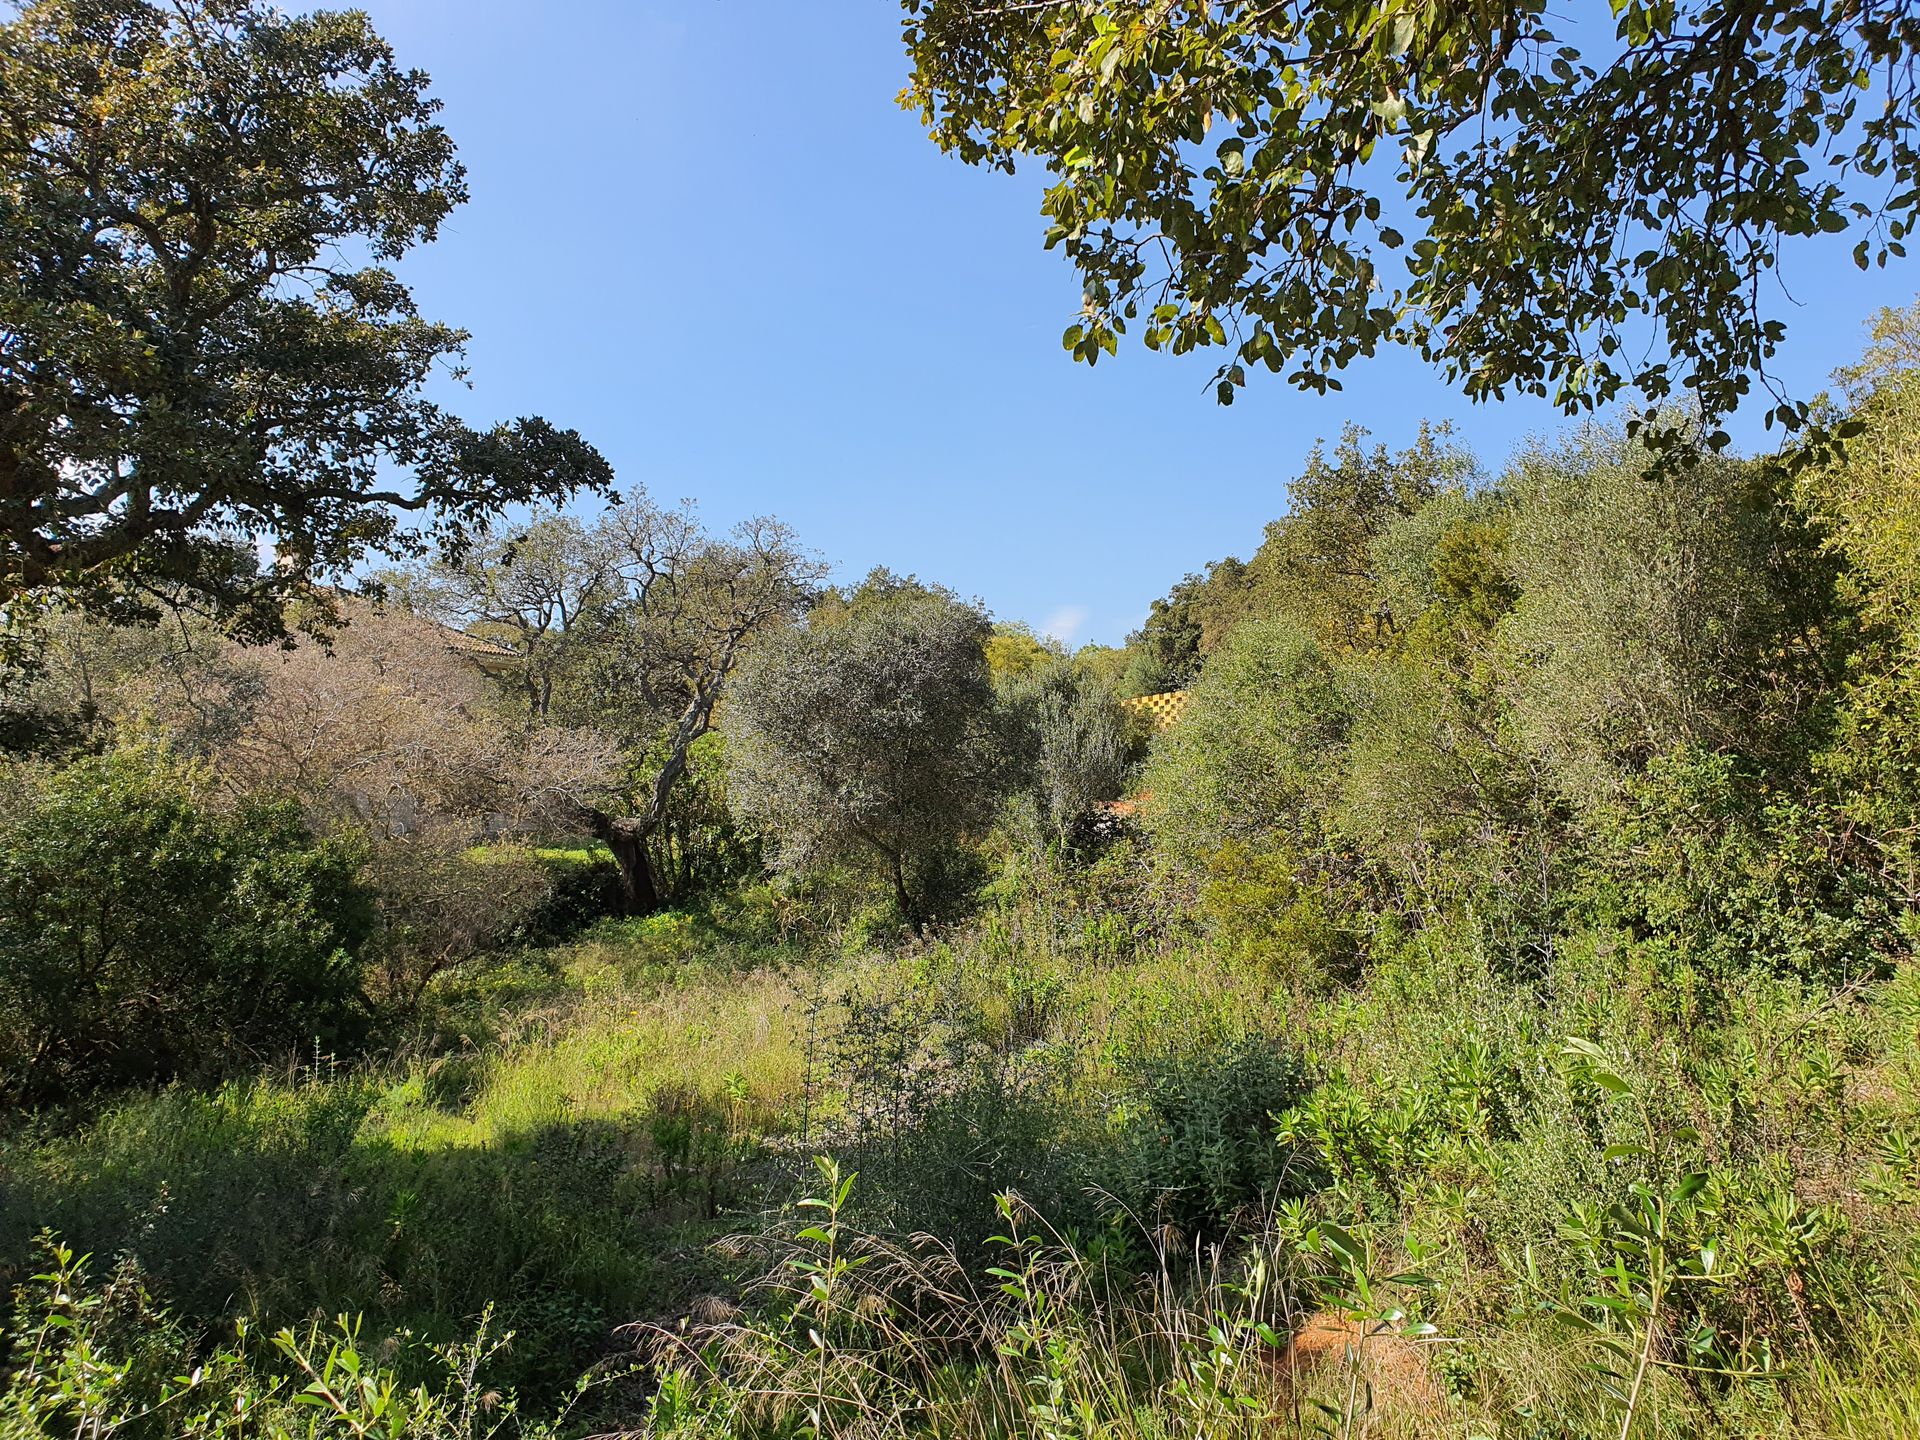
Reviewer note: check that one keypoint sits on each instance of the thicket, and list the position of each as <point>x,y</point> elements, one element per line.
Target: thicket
<point>146,935</point>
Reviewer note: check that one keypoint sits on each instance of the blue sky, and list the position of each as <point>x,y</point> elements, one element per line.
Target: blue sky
<point>706,236</point>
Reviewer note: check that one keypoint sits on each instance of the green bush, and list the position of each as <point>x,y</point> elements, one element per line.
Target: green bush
<point>1255,905</point>
<point>1716,868</point>
<point>1072,745</point>
<point>146,934</point>
<point>583,887</point>
<point>1196,1144</point>
<point>1257,752</point>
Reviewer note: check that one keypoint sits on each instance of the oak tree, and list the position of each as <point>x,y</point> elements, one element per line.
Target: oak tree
<point>204,349</point>
<point>633,626</point>
<point>1570,213</point>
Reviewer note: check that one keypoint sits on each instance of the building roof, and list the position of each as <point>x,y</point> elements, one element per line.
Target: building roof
<point>480,649</point>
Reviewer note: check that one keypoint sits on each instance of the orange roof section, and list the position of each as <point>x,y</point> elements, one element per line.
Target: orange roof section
<point>481,650</point>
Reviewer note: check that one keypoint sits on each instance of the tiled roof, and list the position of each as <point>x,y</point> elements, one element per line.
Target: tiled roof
<point>473,645</point>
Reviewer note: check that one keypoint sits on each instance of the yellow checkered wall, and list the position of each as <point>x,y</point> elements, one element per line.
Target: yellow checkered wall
<point>1159,711</point>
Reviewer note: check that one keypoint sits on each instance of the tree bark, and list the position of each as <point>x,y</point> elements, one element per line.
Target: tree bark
<point>904,897</point>
<point>627,839</point>
<point>627,836</point>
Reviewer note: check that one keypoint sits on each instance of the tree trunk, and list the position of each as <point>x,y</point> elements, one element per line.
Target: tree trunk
<point>627,839</point>
<point>904,897</point>
<point>627,836</point>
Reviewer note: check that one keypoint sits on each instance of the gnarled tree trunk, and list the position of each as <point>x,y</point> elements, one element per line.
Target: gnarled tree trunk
<point>627,839</point>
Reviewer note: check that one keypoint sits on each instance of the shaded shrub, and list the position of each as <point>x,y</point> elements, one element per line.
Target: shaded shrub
<point>443,903</point>
<point>1001,1126</point>
<point>1711,864</point>
<point>939,1113</point>
<point>146,935</point>
<point>582,887</point>
<point>109,1360</point>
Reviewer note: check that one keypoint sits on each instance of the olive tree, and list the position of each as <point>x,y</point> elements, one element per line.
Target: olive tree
<point>868,731</point>
<point>1069,743</point>
<point>1649,614</point>
<point>203,345</point>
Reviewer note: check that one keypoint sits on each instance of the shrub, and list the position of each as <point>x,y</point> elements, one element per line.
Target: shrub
<point>1254,903</point>
<point>442,903</point>
<point>1072,745</point>
<point>146,935</point>
<point>1258,749</point>
<point>1651,613</point>
<point>1713,867</point>
<point>1197,1145</point>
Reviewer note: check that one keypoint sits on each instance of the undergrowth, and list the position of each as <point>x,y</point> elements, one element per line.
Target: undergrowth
<point>1150,1194</point>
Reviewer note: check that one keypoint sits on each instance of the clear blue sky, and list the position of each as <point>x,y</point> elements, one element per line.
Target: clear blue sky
<point>706,236</point>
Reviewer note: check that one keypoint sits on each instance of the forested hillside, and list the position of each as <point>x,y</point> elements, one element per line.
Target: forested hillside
<point>568,967</point>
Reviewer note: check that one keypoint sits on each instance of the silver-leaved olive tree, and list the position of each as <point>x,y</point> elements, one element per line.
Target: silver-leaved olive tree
<point>870,731</point>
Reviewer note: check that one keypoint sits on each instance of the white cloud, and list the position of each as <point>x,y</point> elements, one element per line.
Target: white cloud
<point>1065,623</point>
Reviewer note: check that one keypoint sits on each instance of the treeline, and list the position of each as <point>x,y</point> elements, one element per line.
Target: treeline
<point>1672,701</point>
<point>417,788</point>
<point>1511,941</point>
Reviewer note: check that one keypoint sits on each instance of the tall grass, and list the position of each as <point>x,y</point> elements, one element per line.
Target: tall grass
<point>1611,1199</point>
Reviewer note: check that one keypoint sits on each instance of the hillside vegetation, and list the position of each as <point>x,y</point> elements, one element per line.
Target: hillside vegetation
<point>486,955</point>
<point>1494,1015</point>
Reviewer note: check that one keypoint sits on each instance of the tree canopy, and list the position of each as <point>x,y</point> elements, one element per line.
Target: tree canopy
<point>631,626</point>
<point>869,730</point>
<point>1303,183</point>
<point>202,344</point>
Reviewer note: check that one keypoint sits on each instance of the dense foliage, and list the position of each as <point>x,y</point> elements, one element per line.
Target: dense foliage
<point>145,935</point>
<point>628,981</point>
<point>193,362</point>
<point>869,731</point>
<point>1491,1006</point>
